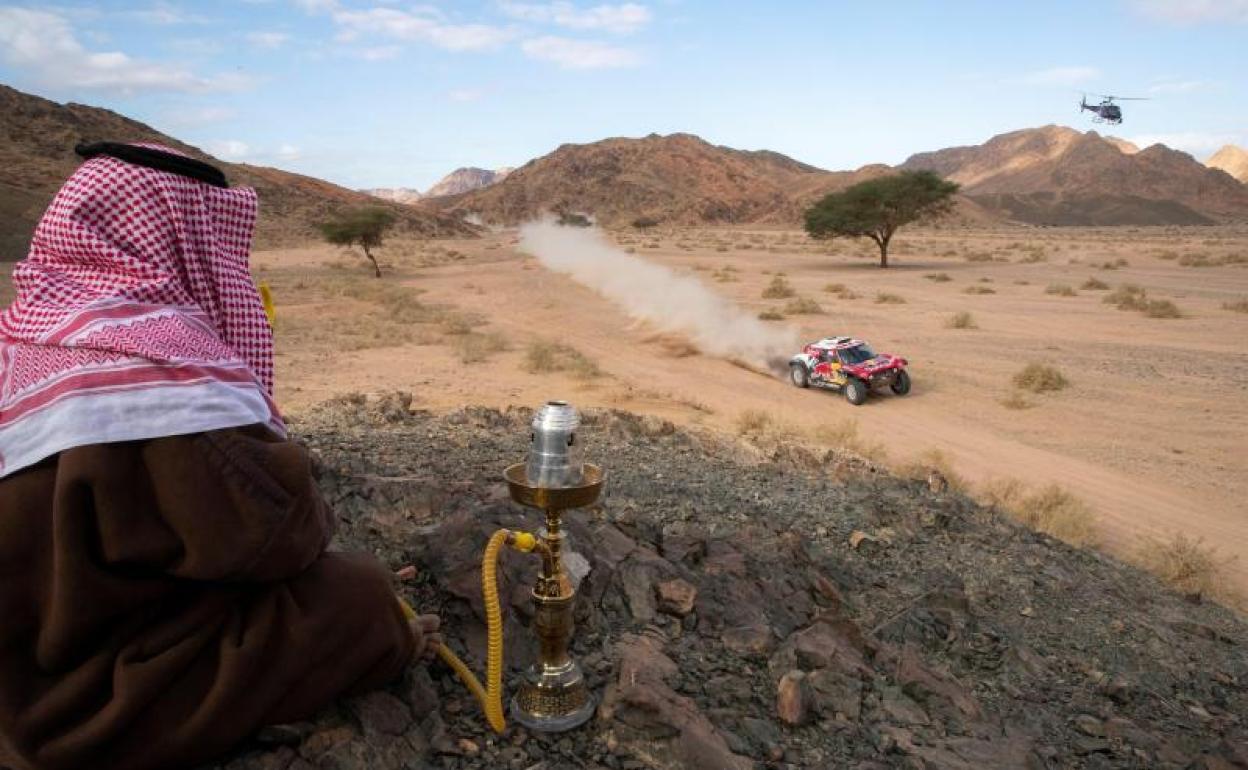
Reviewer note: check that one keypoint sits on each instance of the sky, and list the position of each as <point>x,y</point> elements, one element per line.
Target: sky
<point>384,93</point>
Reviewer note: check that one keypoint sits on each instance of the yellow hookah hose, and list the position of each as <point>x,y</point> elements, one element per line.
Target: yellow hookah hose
<point>266,298</point>
<point>491,696</point>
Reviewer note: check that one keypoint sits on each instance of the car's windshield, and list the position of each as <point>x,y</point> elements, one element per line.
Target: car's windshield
<point>857,354</point>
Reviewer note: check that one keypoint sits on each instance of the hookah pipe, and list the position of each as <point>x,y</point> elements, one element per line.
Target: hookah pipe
<point>554,695</point>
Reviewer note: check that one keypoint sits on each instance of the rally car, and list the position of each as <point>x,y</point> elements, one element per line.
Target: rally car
<point>849,365</point>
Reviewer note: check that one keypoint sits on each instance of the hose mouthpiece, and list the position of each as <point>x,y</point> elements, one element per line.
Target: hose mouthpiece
<point>524,542</point>
<point>555,456</point>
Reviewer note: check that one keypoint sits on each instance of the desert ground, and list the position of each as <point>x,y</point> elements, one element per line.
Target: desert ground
<point>1151,432</point>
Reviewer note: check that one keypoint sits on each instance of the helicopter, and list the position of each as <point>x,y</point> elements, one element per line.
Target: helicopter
<point>1107,111</point>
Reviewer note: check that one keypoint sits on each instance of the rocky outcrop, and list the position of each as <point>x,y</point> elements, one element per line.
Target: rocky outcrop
<point>1231,159</point>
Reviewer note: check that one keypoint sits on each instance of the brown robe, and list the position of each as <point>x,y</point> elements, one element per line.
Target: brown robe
<point>160,600</point>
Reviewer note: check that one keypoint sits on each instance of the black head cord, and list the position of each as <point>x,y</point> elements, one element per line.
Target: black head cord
<point>161,161</point>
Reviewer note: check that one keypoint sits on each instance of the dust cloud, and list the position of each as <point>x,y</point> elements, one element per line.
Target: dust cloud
<point>657,295</point>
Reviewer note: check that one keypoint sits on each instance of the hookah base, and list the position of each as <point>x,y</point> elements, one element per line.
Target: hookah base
<point>553,707</point>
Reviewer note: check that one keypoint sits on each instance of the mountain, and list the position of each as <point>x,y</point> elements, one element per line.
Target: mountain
<point>1231,159</point>
<point>37,139</point>
<point>1058,176</point>
<point>463,180</point>
<point>396,194</point>
<point>676,179</point>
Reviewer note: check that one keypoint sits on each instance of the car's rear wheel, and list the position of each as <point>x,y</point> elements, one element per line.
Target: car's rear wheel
<point>799,376</point>
<point>856,392</point>
<point>901,383</point>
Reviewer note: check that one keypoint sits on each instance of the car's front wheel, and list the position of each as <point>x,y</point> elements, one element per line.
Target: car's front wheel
<point>799,376</point>
<point>856,392</point>
<point>901,384</point>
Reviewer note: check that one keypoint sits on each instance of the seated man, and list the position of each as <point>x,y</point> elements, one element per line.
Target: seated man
<point>164,584</point>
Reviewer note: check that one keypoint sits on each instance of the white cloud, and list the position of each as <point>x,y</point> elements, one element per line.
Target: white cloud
<point>419,25</point>
<point>317,6</point>
<point>1062,76</point>
<point>288,152</point>
<point>579,54</point>
<point>1194,142</point>
<point>378,53</point>
<point>1172,86</point>
<point>618,19</point>
<point>1194,11</point>
<point>44,43</point>
<point>269,40</point>
<point>166,14</point>
<point>464,95</point>
<point>229,149</point>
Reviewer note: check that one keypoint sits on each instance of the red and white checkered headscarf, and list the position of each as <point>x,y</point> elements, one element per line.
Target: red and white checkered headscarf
<point>135,316</point>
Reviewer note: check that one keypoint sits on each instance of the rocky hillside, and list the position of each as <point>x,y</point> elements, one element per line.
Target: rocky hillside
<point>675,179</point>
<point>1058,176</point>
<point>396,194</point>
<point>463,180</point>
<point>1231,159</point>
<point>37,139</point>
<point>763,607</point>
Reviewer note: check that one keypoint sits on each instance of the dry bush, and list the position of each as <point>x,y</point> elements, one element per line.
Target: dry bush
<point>978,290</point>
<point>1001,492</point>
<point>1093,284</point>
<point>886,298</point>
<point>938,277</point>
<point>1022,283</point>
<point>1237,306</point>
<point>1188,565</point>
<point>1162,308</point>
<point>771,315</point>
<point>779,288</point>
<point>1016,400</point>
<point>1166,254</point>
<point>1056,512</point>
<point>543,357</point>
<point>921,466</point>
<point>1131,297</point>
<point>844,435</point>
<point>961,320</point>
<point>1034,254</point>
<point>1206,260</point>
<point>1040,378</point>
<point>979,256</point>
<point>755,422</point>
<point>803,306</point>
<point>473,348</point>
<point>840,290</point>
<point>1114,264</point>
<point>1060,290</point>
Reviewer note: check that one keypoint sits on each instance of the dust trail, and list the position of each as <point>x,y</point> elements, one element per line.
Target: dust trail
<point>658,295</point>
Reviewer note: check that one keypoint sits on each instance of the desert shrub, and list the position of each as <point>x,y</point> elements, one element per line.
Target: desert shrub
<point>645,223</point>
<point>473,348</point>
<point>1040,378</point>
<point>1208,260</point>
<point>753,422</point>
<point>840,290</point>
<point>771,315</point>
<point>1186,563</point>
<point>1114,264</point>
<point>1237,306</point>
<point>1167,254</point>
<point>1131,297</point>
<point>1056,512</point>
<point>961,320</point>
<point>931,460</point>
<point>845,435</point>
<point>938,277</point>
<point>721,248</point>
<point>1016,400</point>
<point>886,298</point>
<point>1162,308</point>
<point>572,219</point>
<point>1002,492</point>
<point>1060,290</point>
<point>1093,284</point>
<point>979,256</point>
<point>978,290</point>
<point>543,357</point>
<point>779,288</point>
<point>1034,254</point>
<point>803,306</point>
<point>1022,283</point>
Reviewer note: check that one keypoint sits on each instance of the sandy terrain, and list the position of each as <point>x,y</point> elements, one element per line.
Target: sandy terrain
<point>1152,432</point>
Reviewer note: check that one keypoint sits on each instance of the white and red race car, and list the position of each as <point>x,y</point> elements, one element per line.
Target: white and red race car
<point>849,365</point>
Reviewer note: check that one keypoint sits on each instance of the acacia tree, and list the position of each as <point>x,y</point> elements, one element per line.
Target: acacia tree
<point>366,227</point>
<point>877,207</point>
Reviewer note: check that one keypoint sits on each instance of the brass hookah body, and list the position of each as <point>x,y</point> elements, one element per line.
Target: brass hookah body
<point>553,695</point>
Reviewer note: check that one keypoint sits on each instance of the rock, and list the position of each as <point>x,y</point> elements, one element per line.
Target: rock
<point>931,686</point>
<point>1089,725</point>
<point>282,735</point>
<point>380,712</point>
<point>324,740</point>
<point>676,597</point>
<point>789,705</point>
<point>901,708</point>
<point>830,692</point>
<point>468,747</point>
<point>745,640</point>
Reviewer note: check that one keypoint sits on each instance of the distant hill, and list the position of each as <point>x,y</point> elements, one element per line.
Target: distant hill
<point>1058,176</point>
<point>463,180</point>
<point>396,194</point>
<point>1231,159</point>
<point>675,179</point>
<point>37,139</point>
